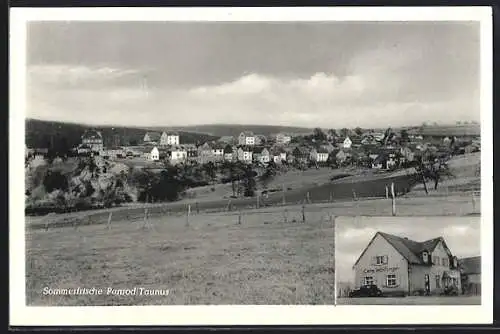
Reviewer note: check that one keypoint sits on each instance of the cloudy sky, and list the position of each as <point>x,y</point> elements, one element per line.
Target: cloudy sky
<point>461,234</point>
<point>329,74</point>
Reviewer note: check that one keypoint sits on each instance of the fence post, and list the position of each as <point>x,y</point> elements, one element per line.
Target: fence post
<point>239,217</point>
<point>393,199</point>
<point>188,214</point>
<point>386,192</point>
<point>331,197</point>
<point>146,222</point>
<point>109,219</point>
<point>258,200</point>
<point>308,197</point>
<point>303,213</point>
<point>284,199</point>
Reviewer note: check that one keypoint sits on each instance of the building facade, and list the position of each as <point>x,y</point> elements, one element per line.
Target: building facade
<point>401,266</point>
<point>246,138</point>
<point>93,140</point>
<point>283,139</point>
<point>169,139</point>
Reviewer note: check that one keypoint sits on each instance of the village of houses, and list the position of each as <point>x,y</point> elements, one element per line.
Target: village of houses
<point>367,149</point>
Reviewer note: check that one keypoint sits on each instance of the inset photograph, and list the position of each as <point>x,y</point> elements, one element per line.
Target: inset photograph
<point>408,260</point>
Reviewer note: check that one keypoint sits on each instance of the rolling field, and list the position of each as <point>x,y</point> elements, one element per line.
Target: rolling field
<point>213,260</point>
<point>412,300</point>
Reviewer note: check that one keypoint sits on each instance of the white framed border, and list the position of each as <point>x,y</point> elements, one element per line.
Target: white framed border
<point>22,315</point>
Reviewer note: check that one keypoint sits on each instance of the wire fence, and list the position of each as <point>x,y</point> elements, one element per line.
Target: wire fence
<point>376,197</point>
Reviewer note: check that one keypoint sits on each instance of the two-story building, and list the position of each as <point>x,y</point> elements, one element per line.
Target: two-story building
<point>283,139</point>
<point>245,154</point>
<point>170,138</point>
<point>229,154</point>
<point>347,143</point>
<point>401,266</point>
<point>278,155</point>
<point>218,151</point>
<point>319,155</point>
<point>261,154</point>
<point>246,138</point>
<point>178,154</point>
<point>93,140</point>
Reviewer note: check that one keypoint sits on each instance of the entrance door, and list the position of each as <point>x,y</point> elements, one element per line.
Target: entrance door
<point>427,285</point>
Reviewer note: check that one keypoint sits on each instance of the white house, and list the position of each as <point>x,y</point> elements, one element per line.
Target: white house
<point>347,143</point>
<point>92,139</point>
<point>218,151</point>
<point>178,154</point>
<point>400,266</point>
<point>319,155</point>
<point>169,139</point>
<point>279,155</point>
<point>246,138</point>
<point>154,154</point>
<point>283,139</point>
<point>245,154</point>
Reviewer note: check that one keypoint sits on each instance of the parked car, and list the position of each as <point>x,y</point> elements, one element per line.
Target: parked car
<point>366,291</point>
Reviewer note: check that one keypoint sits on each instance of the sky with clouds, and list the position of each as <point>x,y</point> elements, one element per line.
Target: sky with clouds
<point>327,74</point>
<point>352,235</point>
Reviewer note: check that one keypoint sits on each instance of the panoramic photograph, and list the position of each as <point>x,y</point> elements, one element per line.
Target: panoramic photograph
<point>208,163</point>
<point>408,260</point>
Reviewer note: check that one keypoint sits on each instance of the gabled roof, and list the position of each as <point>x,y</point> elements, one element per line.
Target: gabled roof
<point>259,150</point>
<point>247,133</point>
<point>409,249</point>
<point>470,265</point>
<point>91,134</point>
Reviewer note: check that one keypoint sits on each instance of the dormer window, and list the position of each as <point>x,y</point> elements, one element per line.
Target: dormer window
<point>425,257</point>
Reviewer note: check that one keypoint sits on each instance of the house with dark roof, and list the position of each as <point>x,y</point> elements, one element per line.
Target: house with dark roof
<point>400,266</point>
<point>470,271</point>
<point>92,139</point>
<point>261,154</point>
<point>278,154</point>
<point>229,153</point>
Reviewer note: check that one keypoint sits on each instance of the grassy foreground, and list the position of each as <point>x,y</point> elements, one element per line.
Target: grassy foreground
<point>214,260</point>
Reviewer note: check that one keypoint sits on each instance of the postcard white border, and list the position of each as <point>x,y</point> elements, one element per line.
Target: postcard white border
<point>22,315</point>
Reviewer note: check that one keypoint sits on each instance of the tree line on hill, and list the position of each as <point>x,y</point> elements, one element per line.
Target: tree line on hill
<point>60,137</point>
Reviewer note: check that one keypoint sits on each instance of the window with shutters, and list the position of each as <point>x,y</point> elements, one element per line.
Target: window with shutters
<point>445,262</point>
<point>435,260</point>
<point>368,280</point>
